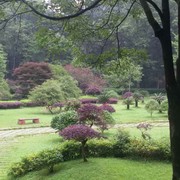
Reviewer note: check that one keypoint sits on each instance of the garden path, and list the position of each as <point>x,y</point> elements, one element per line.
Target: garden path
<point>43,130</point>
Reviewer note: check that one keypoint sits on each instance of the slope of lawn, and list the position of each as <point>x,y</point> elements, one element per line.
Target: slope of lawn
<point>105,169</point>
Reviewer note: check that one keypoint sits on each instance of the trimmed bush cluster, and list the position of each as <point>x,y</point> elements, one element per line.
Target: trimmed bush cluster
<point>46,158</point>
<point>10,105</point>
<point>107,107</point>
<point>87,101</point>
<point>31,104</point>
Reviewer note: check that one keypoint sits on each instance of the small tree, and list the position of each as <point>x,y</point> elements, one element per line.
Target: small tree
<point>159,98</point>
<point>128,101</point>
<point>152,106</point>
<point>47,94</point>
<point>90,114</point>
<point>31,74</point>
<point>137,96</point>
<point>79,133</point>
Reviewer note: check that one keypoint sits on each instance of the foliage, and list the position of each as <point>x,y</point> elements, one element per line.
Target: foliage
<point>144,127</point>
<point>3,57</point>
<point>85,77</point>
<point>46,158</point>
<point>127,95</point>
<point>128,101</point>
<point>137,96</point>
<point>72,105</point>
<point>152,106</point>
<point>5,90</point>
<point>90,114</point>
<point>64,119</point>
<point>100,148</point>
<point>159,97</point>
<point>112,101</point>
<point>31,74</point>
<point>93,90</point>
<point>121,143</point>
<point>79,133</point>
<point>48,93</point>
<point>10,105</point>
<point>164,105</point>
<point>107,107</point>
<point>107,117</point>
<point>87,101</point>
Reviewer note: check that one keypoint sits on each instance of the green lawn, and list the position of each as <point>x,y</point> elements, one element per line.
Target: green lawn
<point>105,169</point>
<point>9,118</point>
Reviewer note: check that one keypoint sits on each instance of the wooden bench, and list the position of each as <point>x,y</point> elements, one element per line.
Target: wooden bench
<point>22,121</point>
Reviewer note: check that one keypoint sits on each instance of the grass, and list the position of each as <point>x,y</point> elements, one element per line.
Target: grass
<point>10,117</point>
<point>105,169</point>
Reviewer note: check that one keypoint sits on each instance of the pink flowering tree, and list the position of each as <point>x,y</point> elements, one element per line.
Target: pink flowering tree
<point>79,133</point>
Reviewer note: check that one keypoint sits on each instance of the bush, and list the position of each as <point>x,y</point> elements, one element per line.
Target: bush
<point>150,149</point>
<point>152,106</point>
<point>10,105</point>
<point>107,117</point>
<point>128,101</point>
<point>93,90</point>
<point>46,158</point>
<point>31,104</point>
<point>122,143</point>
<point>164,105</point>
<point>5,90</point>
<point>112,101</point>
<point>127,95</point>
<point>72,105</point>
<point>87,101</point>
<point>64,119</point>
<point>100,148</point>
<point>107,107</point>
<point>106,95</point>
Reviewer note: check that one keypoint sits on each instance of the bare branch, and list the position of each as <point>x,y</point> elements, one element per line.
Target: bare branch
<point>82,11</point>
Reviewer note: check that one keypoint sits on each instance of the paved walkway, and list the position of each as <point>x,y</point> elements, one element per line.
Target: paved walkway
<point>43,130</point>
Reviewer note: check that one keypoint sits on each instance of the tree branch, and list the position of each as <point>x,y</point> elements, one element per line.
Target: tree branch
<point>154,24</point>
<point>82,11</point>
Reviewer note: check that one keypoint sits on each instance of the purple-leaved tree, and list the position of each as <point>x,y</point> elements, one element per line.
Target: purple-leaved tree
<point>79,133</point>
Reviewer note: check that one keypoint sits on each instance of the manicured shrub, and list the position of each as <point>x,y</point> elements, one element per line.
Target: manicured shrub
<point>10,105</point>
<point>100,148</point>
<point>64,119</point>
<point>122,143</point>
<point>152,106</point>
<point>72,105</point>
<point>87,101</point>
<point>107,95</point>
<point>46,158</point>
<point>107,107</point>
<point>79,133</point>
<point>112,101</point>
<point>93,90</point>
<point>31,104</point>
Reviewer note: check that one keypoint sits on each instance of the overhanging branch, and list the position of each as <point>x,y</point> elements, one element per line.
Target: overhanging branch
<point>82,11</point>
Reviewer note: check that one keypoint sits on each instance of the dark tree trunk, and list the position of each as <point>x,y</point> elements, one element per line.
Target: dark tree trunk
<point>128,106</point>
<point>136,103</point>
<point>84,151</point>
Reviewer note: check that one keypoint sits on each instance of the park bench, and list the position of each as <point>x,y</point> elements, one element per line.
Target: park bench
<point>23,120</point>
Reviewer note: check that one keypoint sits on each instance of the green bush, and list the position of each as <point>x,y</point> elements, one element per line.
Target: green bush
<point>164,105</point>
<point>152,106</point>
<point>46,158</point>
<point>100,148</point>
<point>5,91</point>
<point>122,143</point>
<point>106,95</point>
<point>64,119</point>
<point>71,150</point>
<point>150,149</point>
